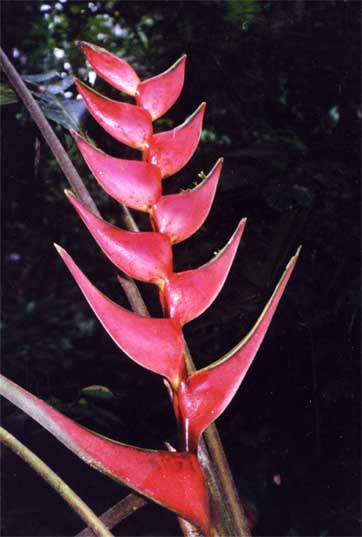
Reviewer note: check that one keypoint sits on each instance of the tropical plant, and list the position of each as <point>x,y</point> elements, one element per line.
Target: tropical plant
<point>179,479</point>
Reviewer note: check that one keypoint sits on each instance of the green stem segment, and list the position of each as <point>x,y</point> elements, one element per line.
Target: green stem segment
<point>75,502</point>
<point>227,490</point>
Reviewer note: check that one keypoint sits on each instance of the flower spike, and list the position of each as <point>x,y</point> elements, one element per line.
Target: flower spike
<point>205,394</point>
<point>180,215</point>
<point>111,68</point>
<point>158,94</point>
<point>156,344</point>
<point>135,183</point>
<point>188,294</point>
<point>171,150</point>
<point>127,123</point>
<point>173,480</point>
<point>146,256</point>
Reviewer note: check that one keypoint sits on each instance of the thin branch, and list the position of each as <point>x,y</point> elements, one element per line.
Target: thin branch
<point>134,296</point>
<point>121,510</point>
<point>73,500</point>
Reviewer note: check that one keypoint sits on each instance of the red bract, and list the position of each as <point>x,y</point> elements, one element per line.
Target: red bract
<point>158,94</point>
<point>188,294</point>
<point>173,480</point>
<point>156,344</point>
<point>171,150</point>
<point>203,396</point>
<point>135,183</point>
<point>179,215</point>
<point>127,123</point>
<point>146,256</point>
<point>112,68</point>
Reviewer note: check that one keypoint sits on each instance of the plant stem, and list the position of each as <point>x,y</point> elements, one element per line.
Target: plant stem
<point>224,478</point>
<point>73,500</point>
<point>117,513</point>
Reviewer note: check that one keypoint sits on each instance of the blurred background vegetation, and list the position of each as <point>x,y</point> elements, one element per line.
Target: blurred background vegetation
<point>282,85</point>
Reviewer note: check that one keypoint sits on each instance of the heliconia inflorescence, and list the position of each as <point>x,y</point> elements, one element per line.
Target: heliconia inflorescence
<point>156,344</point>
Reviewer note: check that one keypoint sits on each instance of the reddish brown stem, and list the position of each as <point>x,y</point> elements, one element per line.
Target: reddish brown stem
<point>121,510</point>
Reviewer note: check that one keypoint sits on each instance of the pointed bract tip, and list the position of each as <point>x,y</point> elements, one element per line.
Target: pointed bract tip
<point>240,226</point>
<point>180,60</point>
<point>218,164</point>
<point>85,44</point>
<point>75,134</point>
<point>60,250</point>
<point>69,193</point>
<point>294,258</point>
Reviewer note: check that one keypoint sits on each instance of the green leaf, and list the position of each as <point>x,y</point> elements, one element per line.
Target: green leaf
<point>98,392</point>
<point>7,95</point>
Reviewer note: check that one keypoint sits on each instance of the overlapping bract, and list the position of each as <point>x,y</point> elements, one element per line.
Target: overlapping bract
<point>173,479</point>
<point>156,94</point>
<point>148,256</point>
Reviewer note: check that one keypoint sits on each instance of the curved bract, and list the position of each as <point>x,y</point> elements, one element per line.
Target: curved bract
<point>135,183</point>
<point>156,344</point>
<point>188,294</point>
<point>145,256</point>
<point>112,68</point>
<point>204,395</point>
<point>179,215</point>
<point>173,480</point>
<point>158,94</point>
<point>127,123</point>
<point>171,150</point>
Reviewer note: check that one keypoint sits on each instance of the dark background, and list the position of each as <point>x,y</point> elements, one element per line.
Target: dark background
<point>282,85</point>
